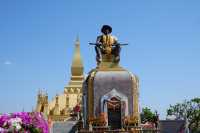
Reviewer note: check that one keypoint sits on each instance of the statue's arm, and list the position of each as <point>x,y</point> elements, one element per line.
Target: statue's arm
<point>98,41</point>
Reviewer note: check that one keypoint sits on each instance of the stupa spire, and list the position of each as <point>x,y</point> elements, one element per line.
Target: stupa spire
<point>77,63</point>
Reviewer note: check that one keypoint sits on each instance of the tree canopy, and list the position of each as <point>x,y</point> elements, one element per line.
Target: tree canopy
<point>189,110</point>
<point>148,116</point>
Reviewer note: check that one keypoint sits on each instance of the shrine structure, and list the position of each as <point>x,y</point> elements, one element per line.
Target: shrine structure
<point>110,92</point>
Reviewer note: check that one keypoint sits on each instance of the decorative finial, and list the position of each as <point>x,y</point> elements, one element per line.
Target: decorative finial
<point>56,98</point>
<point>46,93</point>
<point>56,94</point>
<point>77,43</point>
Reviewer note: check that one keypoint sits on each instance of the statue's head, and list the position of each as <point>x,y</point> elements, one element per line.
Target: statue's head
<point>106,29</point>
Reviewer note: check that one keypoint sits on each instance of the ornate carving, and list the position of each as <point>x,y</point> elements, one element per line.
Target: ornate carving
<point>135,115</point>
<point>91,95</point>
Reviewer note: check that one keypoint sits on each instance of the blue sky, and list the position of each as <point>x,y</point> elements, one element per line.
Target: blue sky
<point>37,44</point>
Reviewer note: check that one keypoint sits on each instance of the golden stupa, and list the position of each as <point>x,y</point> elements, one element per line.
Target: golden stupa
<point>62,104</point>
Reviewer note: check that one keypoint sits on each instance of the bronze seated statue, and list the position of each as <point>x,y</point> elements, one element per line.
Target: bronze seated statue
<point>111,50</point>
<point>107,45</point>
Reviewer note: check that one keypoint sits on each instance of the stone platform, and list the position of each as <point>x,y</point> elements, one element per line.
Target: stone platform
<point>64,127</point>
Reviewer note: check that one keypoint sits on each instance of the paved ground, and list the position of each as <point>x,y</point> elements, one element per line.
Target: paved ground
<point>64,127</point>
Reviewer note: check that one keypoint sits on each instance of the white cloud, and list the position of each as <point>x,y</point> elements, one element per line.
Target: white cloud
<point>7,62</point>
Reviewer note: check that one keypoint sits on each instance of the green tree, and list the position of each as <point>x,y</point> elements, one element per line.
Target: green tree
<point>147,115</point>
<point>189,110</point>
